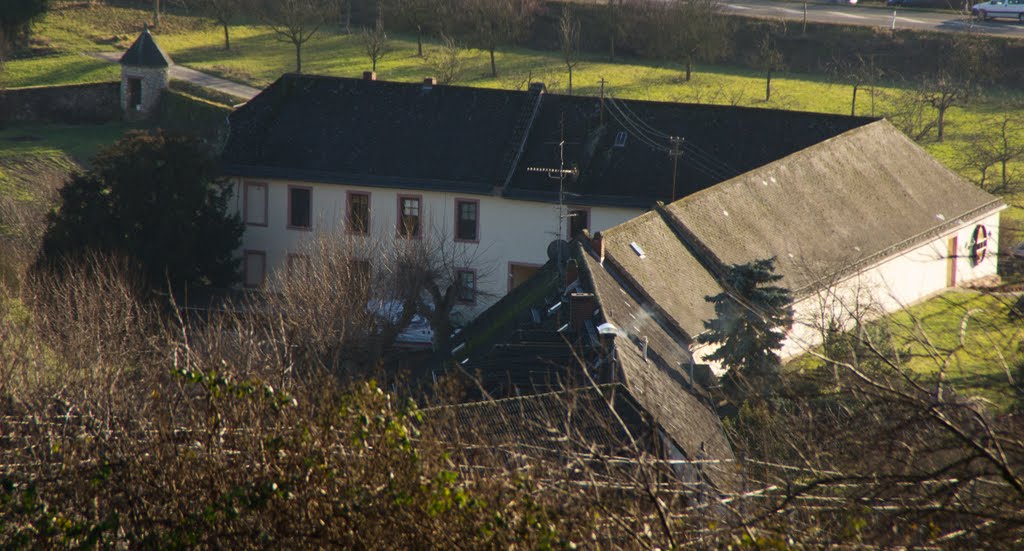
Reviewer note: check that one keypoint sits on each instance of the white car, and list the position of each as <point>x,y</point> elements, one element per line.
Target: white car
<point>1012,9</point>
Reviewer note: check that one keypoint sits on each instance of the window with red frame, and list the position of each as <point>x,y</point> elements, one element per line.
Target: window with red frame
<point>409,216</point>
<point>359,213</point>
<point>467,223</point>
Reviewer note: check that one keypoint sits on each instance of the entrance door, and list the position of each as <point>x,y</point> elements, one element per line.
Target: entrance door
<point>951,262</point>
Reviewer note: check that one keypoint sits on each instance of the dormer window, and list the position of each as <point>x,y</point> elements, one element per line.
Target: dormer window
<point>620,139</point>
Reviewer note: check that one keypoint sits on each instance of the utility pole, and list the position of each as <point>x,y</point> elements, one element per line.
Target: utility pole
<point>675,153</point>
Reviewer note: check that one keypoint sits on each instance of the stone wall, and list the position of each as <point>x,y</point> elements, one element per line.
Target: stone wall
<point>72,104</point>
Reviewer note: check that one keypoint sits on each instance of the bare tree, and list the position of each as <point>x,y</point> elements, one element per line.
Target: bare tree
<point>858,71</point>
<point>375,41</point>
<point>294,21</point>
<point>569,40</point>
<point>223,12</point>
<point>417,14</point>
<point>690,31</point>
<point>448,61</point>
<point>1001,151</point>
<point>490,24</point>
<point>958,77</point>
<point>767,57</point>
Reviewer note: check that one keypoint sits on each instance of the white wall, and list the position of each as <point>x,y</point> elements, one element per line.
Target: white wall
<point>509,231</point>
<point>888,286</point>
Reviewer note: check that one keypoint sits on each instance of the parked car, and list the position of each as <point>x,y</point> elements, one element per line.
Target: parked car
<point>1012,9</point>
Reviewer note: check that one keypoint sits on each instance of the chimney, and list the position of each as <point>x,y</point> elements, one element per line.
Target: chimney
<point>581,308</point>
<point>572,272</point>
<point>597,245</point>
<point>644,344</point>
<point>369,75</point>
<point>429,83</point>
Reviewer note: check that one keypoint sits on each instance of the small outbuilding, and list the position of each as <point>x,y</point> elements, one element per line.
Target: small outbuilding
<point>145,69</point>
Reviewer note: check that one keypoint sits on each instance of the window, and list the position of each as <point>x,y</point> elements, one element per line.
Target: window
<point>255,268</point>
<point>409,214</point>
<point>579,220</point>
<point>254,209</point>
<point>298,265</point>
<point>620,139</point>
<point>467,220</point>
<point>358,212</point>
<point>466,281</point>
<point>134,93</point>
<point>300,207</point>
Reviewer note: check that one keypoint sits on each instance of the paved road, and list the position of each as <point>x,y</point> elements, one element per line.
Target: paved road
<point>873,16</point>
<point>241,91</point>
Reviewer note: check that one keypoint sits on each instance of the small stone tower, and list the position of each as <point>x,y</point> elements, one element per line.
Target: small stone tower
<point>144,77</point>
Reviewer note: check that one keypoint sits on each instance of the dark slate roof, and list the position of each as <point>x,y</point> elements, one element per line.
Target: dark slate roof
<point>145,52</point>
<point>719,142</point>
<point>461,139</point>
<point>374,132</point>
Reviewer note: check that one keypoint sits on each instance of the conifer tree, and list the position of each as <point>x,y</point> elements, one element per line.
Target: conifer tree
<point>751,317</point>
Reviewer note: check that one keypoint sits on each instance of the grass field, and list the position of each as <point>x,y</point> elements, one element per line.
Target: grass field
<point>967,335</point>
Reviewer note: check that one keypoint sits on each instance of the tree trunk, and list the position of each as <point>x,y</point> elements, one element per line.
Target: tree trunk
<point>853,103</point>
<point>373,64</point>
<point>419,40</point>
<point>611,48</point>
<point>570,79</point>
<point>689,68</point>
<point>768,88</point>
<point>494,68</point>
<point>227,38</point>
<point>298,56</point>
<point>941,122</point>
<point>156,13</point>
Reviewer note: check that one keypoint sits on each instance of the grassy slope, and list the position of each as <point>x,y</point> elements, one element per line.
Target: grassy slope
<point>931,333</point>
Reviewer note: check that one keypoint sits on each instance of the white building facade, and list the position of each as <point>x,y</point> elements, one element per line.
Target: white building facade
<point>506,239</point>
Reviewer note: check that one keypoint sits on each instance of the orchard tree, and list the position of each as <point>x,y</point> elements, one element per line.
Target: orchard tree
<point>490,24</point>
<point>691,31</point>
<point>295,21</point>
<point>415,14</point>
<point>569,40</point>
<point>751,316</point>
<point>375,41</point>
<point>157,199</point>
<point>767,57</point>
<point>223,12</point>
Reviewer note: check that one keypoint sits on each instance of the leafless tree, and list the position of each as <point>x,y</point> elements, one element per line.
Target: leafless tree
<point>690,31</point>
<point>490,24</point>
<point>958,77</point>
<point>767,57</point>
<point>417,14</point>
<point>294,21</point>
<point>448,61</point>
<point>858,71</point>
<point>1000,151</point>
<point>375,41</point>
<point>224,12</point>
<point>569,40</point>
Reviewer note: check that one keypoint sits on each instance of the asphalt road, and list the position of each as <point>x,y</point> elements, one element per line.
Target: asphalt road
<point>873,16</point>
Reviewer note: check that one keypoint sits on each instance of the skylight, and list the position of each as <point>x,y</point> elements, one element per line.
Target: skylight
<point>636,248</point>
<point>620,139</point>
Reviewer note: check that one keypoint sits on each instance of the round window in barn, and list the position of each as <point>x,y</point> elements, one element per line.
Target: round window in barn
<point>979,244</point>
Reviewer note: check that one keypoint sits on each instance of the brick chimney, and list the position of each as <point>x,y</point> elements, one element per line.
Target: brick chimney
<point>597,246</point>
<point>429,83</point>
<point>369,75</point>
<point>581,308</point>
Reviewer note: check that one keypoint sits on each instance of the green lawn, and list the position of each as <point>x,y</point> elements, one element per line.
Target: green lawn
<point>967,335</point>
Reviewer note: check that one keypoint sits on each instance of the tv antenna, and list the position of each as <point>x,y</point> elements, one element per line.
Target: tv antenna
<point>558,174</point>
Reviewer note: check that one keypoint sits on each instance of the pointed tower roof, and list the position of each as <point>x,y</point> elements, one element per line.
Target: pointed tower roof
<point>145,52</point>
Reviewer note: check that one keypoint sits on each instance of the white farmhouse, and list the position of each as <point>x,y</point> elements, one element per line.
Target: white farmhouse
<point>478,167</point>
